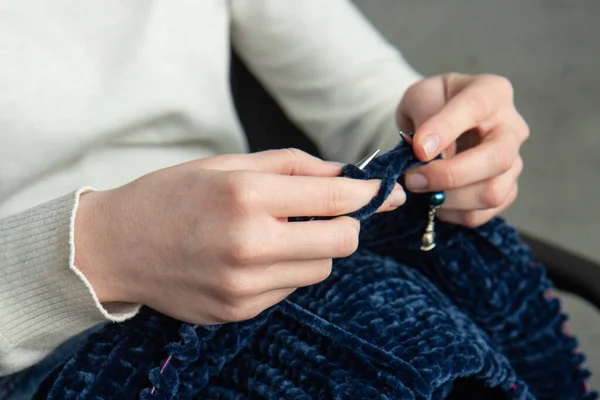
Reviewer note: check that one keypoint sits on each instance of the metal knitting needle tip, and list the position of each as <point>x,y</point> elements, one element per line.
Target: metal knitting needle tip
<point>360,165</point>
<point>406,138</point>
<point>367,160</point>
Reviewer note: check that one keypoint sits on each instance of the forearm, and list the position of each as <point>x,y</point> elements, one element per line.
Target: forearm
<point>44,299</point>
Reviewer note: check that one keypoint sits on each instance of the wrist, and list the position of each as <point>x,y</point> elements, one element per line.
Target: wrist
<point>93,251</point>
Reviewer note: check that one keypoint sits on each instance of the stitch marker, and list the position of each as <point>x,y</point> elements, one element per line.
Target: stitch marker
<point>428,239</point>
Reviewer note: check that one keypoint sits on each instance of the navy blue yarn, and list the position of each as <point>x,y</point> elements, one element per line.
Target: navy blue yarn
<point>391,322</point>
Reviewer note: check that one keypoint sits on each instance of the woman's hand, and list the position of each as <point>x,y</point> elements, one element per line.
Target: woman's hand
<point>473,123</point>
<point>209,241</point>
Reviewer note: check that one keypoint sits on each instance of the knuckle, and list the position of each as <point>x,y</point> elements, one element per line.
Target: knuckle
<point>413,90</point>
<point>247,243</point>
<point>417,90</point>
<point>240,191</point>
<point>346,240</point>
<point>526,133</point>
<point>354,224</point>
<point>477,103</point>
<point>243,251</point>
<point>447,177</point>
<point>515,193</point>
<point>228,288</point>
<point>294,153</point>
<point>519,166</point>
<point>235,287</point>
<point>324,271</point>
<point>232,313</point>
<point>472,219</point>
<point>295,157</point>
<point>503,84</point>
<point>512,195</point>
<point>336,202</point>
<point>525,130</point>
<point>494,193</point>
<point>503,162</point>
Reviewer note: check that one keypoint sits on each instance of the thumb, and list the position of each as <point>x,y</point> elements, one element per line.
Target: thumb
<point>440,124</point>
<point>420,102</point>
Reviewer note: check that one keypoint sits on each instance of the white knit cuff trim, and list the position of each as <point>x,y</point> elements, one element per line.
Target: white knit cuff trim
<point>113,311</point>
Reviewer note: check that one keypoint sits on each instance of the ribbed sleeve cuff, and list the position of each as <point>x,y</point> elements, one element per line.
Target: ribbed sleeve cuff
<point>44,299</point>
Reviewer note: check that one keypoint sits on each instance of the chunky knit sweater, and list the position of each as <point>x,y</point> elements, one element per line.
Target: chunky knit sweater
<point>101,92</point>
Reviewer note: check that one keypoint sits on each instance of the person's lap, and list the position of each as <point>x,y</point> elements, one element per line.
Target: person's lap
<point>24,384</point>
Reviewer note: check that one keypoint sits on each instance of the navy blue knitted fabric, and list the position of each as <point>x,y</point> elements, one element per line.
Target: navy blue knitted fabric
<point>470,319</point>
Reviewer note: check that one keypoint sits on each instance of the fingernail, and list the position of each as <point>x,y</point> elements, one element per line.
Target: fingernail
<point>398,197</point>
<point>416,181</point>
<point>430,145</point>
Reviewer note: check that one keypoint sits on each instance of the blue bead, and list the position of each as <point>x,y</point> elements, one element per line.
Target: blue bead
<point>437,199</point>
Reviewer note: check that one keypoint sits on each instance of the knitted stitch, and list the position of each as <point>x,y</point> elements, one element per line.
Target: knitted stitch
<point>469,319</point>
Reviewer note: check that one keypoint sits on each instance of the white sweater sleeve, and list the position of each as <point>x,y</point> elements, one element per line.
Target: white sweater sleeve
<point>330,70</point>
<point>44,299</point>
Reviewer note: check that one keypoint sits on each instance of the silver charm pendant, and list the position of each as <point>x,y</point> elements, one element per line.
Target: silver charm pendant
<point>428,238</point>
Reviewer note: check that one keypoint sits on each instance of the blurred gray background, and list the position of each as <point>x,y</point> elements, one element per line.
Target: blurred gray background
<point>550,50</point>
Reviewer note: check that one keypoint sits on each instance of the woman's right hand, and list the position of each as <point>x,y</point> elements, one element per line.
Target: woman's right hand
<point>209,241</point>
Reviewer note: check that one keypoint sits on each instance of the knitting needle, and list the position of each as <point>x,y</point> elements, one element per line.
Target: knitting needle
<point>406,138</point>
<point>362,164</point>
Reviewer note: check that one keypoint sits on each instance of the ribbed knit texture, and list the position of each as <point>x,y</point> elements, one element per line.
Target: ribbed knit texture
<point>43,298</point>
<point>469,320</point>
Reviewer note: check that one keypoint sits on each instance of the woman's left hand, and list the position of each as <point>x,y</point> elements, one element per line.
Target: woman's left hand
<point>472,121</point>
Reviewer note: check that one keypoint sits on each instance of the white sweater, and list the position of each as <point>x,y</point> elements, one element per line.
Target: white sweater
<point>101,92</point>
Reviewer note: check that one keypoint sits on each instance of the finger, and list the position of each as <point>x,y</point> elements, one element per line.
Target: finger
<point>248,308</point>
<point>255,280</point>
<point>468,109</point>
<point>313,240</point>
<point>420,102</point>
<point>486,194</point>
<point>294,162</point>
<point>269,299</point>
<point>493,157</point>
<point>450,151</point>
<point>394,200</point>
<point>284,161</point>
<point>294,274</point>
<point>475,218</point>
<point>299,196</point>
